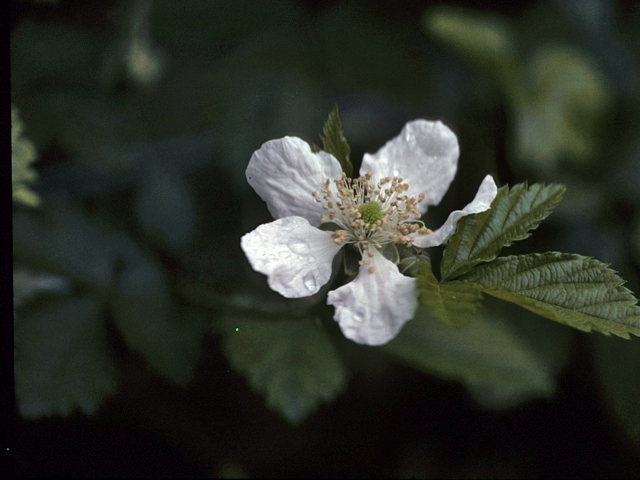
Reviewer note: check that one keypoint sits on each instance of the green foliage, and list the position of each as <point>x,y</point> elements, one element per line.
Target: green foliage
<point>52,50</point>
<point>557,94</point>
<point>559,97</point>
<point>145,315</point>
<point>513,214</point>
<point>292,362</point>
<point>28,284</point>
<point>453,303</point>
<point>100,259</point>
<point>164,208</point>
<point>62,360</point>
<point>62,241</point>
<point>570,289</point>
<point>483,39</point>
<point>484,354</point>
<point>23,154</point>
<point>334,142</point>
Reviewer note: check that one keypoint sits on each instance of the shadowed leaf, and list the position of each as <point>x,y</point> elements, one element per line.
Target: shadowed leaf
<point>292,362</point>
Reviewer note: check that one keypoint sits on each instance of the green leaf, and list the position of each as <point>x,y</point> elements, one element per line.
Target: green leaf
<point>334,142</point>
<point>453,303</point>
<point>61,240</point>
<point>292,362</point>
<point>618,367</point>
<point>513,214</point>
<point>143,311</point>
<point>486,354</point>
<point>483,39</point>
<point>571,289</point>
<point>62,360</point>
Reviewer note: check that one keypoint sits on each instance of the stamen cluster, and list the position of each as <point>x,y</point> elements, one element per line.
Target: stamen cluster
<point>363,223</point>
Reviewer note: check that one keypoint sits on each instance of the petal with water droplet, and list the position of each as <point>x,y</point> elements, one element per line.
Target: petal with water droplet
<point>373,308</point>
<point>296,261</point>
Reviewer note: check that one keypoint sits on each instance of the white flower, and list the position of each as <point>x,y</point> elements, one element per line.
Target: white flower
<point>373,213</point>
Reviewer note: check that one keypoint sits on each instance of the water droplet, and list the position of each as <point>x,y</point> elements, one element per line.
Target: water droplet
<point>396,173</point>
<point>409,136</point>
<point>358,318</point>
<point>298,246</point>
<point>310,282</point>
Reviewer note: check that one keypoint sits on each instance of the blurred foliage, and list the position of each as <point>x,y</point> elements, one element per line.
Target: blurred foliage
<point>293,362</point>
<point>144,115</point>
<point>486,354</point>
<point>556,93</point>
<point>23,154</point>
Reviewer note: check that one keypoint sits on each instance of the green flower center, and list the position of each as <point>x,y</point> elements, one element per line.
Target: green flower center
<point>371,212</point>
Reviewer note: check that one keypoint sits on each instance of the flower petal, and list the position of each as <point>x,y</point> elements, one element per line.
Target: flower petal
<point>285,171</point>
<point>295,257</point>
<point>482,201</point>
<point>373,308</point>
<point>425,155</point>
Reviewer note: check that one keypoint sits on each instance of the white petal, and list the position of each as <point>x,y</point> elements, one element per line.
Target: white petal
<point>482,201</point>
<point>295,257</point>
<point>285,171</point>
<point>373,308</point>
<point>425,155</point>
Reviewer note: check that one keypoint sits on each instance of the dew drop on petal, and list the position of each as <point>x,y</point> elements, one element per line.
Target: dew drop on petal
<point>409,136</point>
<point>298,246</point>
<point>310,282</point>
<point>288,225</point>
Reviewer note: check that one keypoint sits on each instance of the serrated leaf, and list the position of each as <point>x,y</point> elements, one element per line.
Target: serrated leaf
<point>578,291</point>
<point>486,354</point>
<point>62,361</point>
<point>453,303</point>
<point>334,142</point>
<point>513,214</point>
<point>292,362</point>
